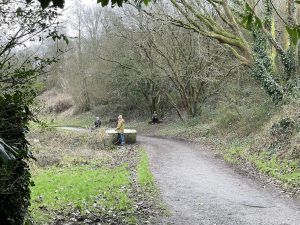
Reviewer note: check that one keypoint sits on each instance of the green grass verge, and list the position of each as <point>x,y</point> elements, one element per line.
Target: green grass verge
<point>148,189</point>
<point>145,177</point>
<point>97,189</point>
<point>61,189</point>
<point>285,170</point>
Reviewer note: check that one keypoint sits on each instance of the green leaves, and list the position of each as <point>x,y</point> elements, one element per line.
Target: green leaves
<point>55,35</point>
<point>103,2</point>
<point>257,22</point>
<point>120,2</point>
<point>7,153</point>
<point>250,19</point>
<point>56,3</point>
<point>46,3</point>
<point>19,11</point>
<point>60,3</point>
<point>294,33</point>
<point>113,2</point>
<point>146,2</point>
<point>247,21</point>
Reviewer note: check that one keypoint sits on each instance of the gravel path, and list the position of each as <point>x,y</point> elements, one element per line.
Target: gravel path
<point>202,190</point>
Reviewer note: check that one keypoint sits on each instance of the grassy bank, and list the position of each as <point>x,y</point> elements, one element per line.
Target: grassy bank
<point>79,181</point>
<point>145,177</point>
<point>85,189</point>
<point>286,171</point>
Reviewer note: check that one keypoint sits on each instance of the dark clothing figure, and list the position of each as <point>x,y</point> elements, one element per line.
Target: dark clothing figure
<point>154,117</point>
<point>97,122</point>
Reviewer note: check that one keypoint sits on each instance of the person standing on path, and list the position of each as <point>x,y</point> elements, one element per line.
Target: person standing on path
<point>120,129</point>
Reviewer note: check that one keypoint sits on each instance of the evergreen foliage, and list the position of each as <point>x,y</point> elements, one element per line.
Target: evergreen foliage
<point>20,24</point>
<point>14,175</point>
<point>263,70</point>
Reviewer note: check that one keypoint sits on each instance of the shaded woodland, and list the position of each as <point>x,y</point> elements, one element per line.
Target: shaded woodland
<point>178,55</point>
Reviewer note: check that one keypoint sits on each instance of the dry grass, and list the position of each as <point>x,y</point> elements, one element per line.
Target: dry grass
<point>55,103</point>
<point>53,146</point>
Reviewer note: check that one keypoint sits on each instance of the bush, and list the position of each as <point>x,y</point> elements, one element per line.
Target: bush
<point>62,105</point>
<point>14,174</point>
<point>281,134</point>
<point>227,116</point>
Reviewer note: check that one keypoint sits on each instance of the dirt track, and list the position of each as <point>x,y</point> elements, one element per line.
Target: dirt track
<point>202,190</point>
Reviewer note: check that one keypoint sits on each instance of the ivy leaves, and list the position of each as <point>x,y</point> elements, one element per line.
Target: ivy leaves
<point>46,3</point>
<point>294,33</point>
<point>250,21</point>
<point>60,3</point>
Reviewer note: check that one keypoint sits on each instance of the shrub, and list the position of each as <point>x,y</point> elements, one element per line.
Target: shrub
<point>227,116</point>
<point>62,105</point>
